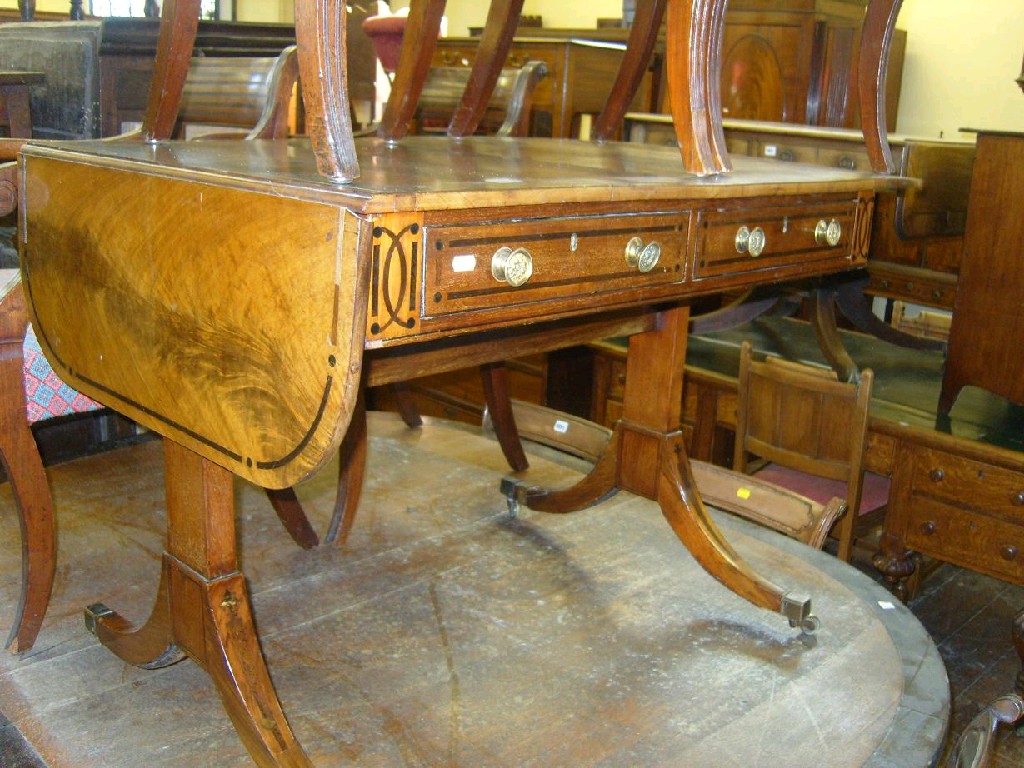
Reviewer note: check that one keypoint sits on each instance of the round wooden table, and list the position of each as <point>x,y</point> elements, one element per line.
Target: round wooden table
<point>447,633</point>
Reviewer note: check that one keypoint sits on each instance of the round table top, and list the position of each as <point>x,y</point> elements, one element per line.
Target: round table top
<point>446,632</point>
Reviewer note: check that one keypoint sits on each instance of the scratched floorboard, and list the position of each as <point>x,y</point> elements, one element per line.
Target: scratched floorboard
<point>550,640</point>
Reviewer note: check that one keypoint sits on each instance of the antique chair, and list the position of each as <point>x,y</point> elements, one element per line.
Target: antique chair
<point>251,94</point>
<point>809,431</point>
<point>749,497</point>
<point>254,94</point>
<point>511,99</point>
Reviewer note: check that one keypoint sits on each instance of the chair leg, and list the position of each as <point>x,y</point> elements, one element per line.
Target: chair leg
<point>35,514</point>
<point>24,468</point>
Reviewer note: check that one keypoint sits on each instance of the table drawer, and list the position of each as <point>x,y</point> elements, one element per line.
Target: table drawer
<point>961,482</point>
<point>934,290</point>
<point>972,539</point>
<point>571,258</point>
<point>788,236</point>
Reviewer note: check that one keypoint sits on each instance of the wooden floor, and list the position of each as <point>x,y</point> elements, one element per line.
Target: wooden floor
<point>968,615</point>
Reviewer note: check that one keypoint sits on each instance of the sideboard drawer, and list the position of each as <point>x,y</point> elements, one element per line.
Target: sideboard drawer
<point>995,491</point>
<point>571,258</point>
<point>788,235</point>
<point>971,539</point>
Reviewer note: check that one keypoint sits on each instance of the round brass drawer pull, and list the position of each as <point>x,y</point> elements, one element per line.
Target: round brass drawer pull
<point>936,475</point>
<point>642,257</point>
<point>1008,552</point>
<point>1018,498</point>
<point>828,233</point>
<point>929,528</point>
<point>510,266</point>
<point>750,241</point>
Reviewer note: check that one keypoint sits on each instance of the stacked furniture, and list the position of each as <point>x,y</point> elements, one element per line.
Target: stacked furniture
<point>405,255</point>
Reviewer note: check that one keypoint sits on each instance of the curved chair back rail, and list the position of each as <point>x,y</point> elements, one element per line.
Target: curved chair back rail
<point>247,92</point>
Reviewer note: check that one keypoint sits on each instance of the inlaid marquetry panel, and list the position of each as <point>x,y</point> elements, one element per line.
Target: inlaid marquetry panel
<point>396,266</point>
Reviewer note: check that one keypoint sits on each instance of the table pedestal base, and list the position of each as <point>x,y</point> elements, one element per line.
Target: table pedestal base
<point>660,471</point>
<point>202,609</point>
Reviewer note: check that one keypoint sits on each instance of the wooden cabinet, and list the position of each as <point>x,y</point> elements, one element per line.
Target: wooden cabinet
<point>960,502</point>
<point>792,62</point>
<point>988,321</point>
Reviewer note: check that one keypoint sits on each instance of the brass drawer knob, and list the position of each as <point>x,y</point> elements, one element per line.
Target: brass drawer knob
<point>642,257</point>
<point>1008,552</point>
<point>1018,498</point>
<point>510,266</point>
<point>928,528</point>
<point>936,475</point>
<point>750,241</point>
<point>828,233</point>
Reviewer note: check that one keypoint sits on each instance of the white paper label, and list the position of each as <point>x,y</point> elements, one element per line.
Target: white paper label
<point>465,262</point>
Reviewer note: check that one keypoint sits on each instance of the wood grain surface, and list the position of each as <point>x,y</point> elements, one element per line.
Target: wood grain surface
<point>227,320</point>
<point>447,633</point>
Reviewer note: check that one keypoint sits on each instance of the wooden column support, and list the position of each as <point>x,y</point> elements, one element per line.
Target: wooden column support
<point>646,456</point>
<point>202,609</point>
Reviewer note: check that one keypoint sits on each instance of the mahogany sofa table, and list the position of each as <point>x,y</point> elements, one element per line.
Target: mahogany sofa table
<point>251,299</point>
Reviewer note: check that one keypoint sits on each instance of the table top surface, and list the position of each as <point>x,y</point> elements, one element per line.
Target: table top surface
<point>431,173</point>
<point>598,636</point>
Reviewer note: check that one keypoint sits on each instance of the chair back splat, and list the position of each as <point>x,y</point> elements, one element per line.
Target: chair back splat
<point>809,432</point>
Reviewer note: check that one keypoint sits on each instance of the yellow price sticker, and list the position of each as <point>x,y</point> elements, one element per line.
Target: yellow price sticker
<point>743,493</point>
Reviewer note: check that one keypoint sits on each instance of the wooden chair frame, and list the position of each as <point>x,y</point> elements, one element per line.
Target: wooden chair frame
<point>791,414</point>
